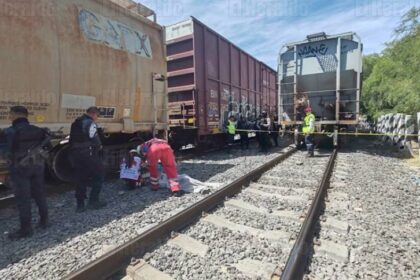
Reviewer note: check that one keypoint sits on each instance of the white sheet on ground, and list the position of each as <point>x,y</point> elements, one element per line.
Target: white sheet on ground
<point>188,184</point>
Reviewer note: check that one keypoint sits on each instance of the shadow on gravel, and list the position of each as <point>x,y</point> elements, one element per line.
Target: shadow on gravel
<point>67,226</point>
<point>374,146</point>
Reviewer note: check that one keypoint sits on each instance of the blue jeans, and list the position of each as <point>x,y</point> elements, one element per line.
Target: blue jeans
<point>310,143</point>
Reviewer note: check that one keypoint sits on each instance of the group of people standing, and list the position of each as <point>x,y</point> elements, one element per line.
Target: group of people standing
<point>265,127</point>
<point>27,148</point>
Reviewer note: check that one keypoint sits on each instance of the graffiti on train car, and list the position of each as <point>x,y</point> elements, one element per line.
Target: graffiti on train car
<point>230,106</point>
<point>114,34</point>
<point>312,50</point>
<point>239,109</point>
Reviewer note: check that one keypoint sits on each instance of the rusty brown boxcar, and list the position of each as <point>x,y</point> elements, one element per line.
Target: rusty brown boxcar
<point>209,79</point>
<point>59,57</point>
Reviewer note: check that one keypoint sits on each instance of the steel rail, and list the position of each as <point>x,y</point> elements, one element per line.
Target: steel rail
<point>120,258</point>
<point>297,261</point>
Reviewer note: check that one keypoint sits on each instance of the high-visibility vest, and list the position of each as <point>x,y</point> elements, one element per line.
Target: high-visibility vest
<point>307,129</point>
<point>231,127</point>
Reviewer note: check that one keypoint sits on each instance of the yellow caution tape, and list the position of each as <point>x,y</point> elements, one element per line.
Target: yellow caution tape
<point>322,133</point>
<point>370,134</point>
<point>339,133</point>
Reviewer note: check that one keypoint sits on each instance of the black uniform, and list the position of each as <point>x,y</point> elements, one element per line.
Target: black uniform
<point>85,146</point>
<point>24,145</point>
<point>275,132</point>
<point>243,125</point>
<point>257,128</point>
<point>265,137</point>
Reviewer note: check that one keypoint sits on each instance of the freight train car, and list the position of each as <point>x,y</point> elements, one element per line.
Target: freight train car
<point>58,57</point>
<point>324,72</point>
<point>210,79</point>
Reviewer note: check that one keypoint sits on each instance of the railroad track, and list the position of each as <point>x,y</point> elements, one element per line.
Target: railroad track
<point>7,198</point>
<point>259,226</point>
<point>333,228</point>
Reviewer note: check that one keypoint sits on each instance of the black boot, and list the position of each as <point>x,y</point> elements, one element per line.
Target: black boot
<point>80,207</point>
<point>19,234</point>
<point>96,204</point>
<point>43,223</point>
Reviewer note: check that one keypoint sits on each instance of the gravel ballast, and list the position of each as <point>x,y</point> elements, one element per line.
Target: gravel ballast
<point>74,240</point>
<point>382,213</point>
<point>227,247</point>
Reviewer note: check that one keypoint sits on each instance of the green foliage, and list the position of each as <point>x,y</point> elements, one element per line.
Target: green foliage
<point>391,81</point>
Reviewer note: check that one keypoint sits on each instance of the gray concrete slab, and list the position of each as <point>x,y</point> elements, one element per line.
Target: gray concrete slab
<point>277,196</point>
<point>256,269</point>
<point>240,204</point>
<point>336,225</point>
<point>272,235</point>
<point>295,181</point>
<point>333,250</point>
<point>144,271</point>
<point>270,189</point>
<point>189,245</point>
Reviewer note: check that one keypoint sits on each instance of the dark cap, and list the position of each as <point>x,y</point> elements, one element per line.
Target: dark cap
<point>19,110</point>
<point>92,110</point>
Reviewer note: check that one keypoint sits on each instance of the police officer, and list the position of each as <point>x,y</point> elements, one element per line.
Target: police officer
<point>257,128</point>
<point>85,146</point>
<point>24,146</point>
<point>275,131</point>
<point>243,126</point>
<point>231,131</point>
<point>308,130</point>
<point>265,127</point>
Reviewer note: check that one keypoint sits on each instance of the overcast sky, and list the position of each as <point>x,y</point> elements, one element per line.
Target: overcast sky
<point>261,27</point>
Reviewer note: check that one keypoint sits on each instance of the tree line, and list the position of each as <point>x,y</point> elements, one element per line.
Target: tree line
<point>391,80</point>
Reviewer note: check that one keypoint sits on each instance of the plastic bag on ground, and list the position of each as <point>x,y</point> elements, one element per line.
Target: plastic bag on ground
<point>188,184</point>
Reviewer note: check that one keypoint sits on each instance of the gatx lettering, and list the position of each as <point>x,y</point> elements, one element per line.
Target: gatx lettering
<point>114,34</point>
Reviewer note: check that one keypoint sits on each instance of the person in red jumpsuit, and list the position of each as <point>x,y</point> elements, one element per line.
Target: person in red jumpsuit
<point>153,151</point>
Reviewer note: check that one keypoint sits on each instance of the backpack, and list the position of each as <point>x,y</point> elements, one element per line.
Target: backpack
<point>28,145</point>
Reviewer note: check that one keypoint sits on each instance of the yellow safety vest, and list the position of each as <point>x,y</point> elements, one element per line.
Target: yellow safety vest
<point>306,124</point>
<point>231,127</point>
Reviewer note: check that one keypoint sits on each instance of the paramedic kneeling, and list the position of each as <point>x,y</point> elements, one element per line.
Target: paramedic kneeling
<point>153,151</point>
